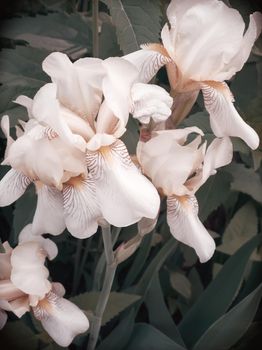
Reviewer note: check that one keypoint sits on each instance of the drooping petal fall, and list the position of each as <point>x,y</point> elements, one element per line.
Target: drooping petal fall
<point>12,187</point>
<point>123,193</point>
<point>185,226</point>
<point>224,118</point>
<point>61,319</point>
<point>80,207</point>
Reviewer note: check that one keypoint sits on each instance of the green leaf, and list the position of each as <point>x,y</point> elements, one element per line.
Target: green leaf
<point>218,295</point>
<point>181,284</point>
<point>145,336</point>
<point>145,281</point>
<point>213,193</point>
<point>158,313</point>
<point>137,22</point>
<point>117,302</point>
<point>241,228</point>
<point>139,261</point>
<point>125,328</point>
<point>245,180</point>
<point>226,331</point>
<point>17,336</point>
<point>24,212</point>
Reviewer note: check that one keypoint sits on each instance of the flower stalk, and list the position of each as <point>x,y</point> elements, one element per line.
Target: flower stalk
<point>107,285</point>
<point>95,12</point>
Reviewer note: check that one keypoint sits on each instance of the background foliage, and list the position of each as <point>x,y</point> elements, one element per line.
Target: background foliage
<point>162,298</point>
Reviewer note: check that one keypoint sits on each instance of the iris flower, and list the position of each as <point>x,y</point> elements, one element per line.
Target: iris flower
<point>178,169</point>
<point>204,44</point>
<point>24,286</point>
<point>71,147</point>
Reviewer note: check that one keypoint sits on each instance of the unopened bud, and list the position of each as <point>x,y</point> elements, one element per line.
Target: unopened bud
<point>126,249</point>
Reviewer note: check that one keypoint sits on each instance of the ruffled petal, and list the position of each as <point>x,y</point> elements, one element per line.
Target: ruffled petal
<point>46,109</point>
<point>80,88</point>
<point>25,102</point>
<point>80,207</point>
<point>195,27</point>
<point>8,291</point>
<point>5,126</point>
<point>37,159</point>
<point>123,193</point>
<point>185,226</point>
<point>49,214</point>
<point>117,90</point>
<point>148,61</point>
<point>224,119</point>
<point>238,61</point>
<point>26,235</point>
<point>150,101</point>
<point>12,187</point>
<point>28,271</point>
<point>61,319</point>
<point>168,163</point>
<point>218,154</point>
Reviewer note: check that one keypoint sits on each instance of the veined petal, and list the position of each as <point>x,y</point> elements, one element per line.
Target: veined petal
<point>28,271</point>
<point>3,318</point>
<point>27,235</point>
<point>150,101</point>
<point>224,119</point>
<point>148,60</point>
<point>185,226</point>
<point>80,207</point>
<point>12,187</point>
<point>61,319</point>
<point>123,193</point>
<point>49,214</point>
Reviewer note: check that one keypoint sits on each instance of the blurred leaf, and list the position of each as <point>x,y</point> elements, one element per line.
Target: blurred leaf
<point>137,22</point>
<point>117,302</point>
<point>159,316</point>
<point>54,32</point>
<point>181,284</point>
<point>199,119</point>
<point>213,193</point>
<point>241,228</point>
<point>230,327</point>
<point>145,336</point>
<point>218,295</point>
<point>108,45</point>
<point>245,180</point>
<point>17,336</point>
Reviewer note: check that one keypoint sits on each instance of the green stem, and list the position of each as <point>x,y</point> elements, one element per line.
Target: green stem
<point>107,285</point>
<point>82,264</point>
<point>95,11</point>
